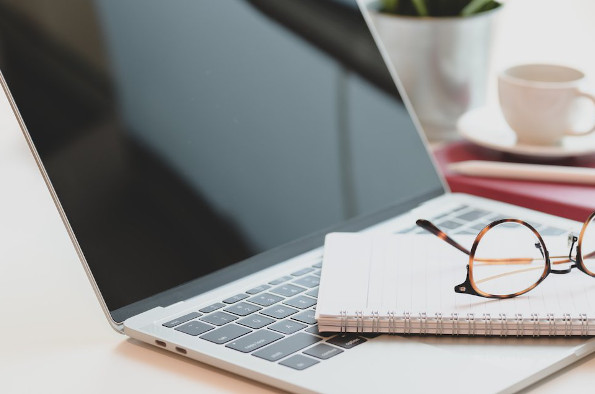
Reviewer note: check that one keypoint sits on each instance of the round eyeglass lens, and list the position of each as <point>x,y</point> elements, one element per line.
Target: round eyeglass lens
<point>588,247</point>
<point>509,259</point>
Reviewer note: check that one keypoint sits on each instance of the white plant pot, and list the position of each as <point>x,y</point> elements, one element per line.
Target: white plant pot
<point>442,63</point>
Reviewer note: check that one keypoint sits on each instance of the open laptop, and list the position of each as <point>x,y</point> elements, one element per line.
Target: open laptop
<point>199,152</point>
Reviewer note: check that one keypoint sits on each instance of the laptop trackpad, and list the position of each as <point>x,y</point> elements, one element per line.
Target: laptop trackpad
<point>467,364</point>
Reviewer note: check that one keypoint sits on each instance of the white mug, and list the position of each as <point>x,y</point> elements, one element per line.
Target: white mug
<point>538,102</point>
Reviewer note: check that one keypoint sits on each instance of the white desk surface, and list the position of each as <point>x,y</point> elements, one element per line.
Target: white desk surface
<point>54,336</point>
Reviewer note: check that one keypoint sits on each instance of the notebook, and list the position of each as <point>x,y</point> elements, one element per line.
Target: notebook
<point>404,283</point>
<point>571,201</point>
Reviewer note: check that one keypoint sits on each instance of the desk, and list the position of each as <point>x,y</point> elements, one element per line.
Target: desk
<point>55,336</point>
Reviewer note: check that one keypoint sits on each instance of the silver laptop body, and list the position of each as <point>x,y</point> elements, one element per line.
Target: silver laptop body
<point>253,313</point>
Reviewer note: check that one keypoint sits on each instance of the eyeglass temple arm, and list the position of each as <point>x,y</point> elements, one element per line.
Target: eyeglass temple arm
<point>427,225</point>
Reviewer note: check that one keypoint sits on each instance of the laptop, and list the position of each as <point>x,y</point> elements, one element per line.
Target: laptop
<point>198,153</point>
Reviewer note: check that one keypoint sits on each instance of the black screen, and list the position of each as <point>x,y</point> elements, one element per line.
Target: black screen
<point>182,137</point>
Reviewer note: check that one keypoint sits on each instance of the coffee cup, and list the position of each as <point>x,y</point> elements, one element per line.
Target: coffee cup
<point>538,102</point>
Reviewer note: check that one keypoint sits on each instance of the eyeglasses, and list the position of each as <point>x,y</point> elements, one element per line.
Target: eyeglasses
<point>509,258</point>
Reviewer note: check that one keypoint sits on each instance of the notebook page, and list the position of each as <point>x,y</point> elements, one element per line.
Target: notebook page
<point>417,273</point>
<point>346,279</point>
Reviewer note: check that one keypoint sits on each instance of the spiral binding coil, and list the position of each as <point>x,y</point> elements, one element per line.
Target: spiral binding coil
<point>375,321</point>
<point>503,324</point>
<point>439,324</point>
<point>471,323</point>
<point>407,323</point>
<point>423,323</point>
<point>392,329</point>
<point>584,324</point>
<point>343,316</point>
<point>455,325</point>
<point>487,321</point>
<point>567,324</point>
<point>520,329</point>
<point>359,321</point>
<point>535,321</point>
<point>551,324</point>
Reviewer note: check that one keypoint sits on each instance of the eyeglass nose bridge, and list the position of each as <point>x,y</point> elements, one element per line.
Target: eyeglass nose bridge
<point>572,240</point>
<point>466,287</point>
<point>564,271</point>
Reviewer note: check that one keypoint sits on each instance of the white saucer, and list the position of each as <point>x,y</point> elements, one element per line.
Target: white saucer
<point>487,128</point>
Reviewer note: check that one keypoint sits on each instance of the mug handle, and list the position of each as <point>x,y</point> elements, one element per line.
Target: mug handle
<point>592,129</point>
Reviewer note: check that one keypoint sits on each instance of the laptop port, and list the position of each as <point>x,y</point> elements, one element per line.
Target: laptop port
<point>180,350</point>
<point>160,343</point>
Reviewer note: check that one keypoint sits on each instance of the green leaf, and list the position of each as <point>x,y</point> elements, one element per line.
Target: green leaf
<point>390,6</point>
<point>474,6</point>
<point>420,7</point>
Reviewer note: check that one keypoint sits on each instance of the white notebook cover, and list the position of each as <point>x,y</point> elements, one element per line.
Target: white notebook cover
<point>404,283</point>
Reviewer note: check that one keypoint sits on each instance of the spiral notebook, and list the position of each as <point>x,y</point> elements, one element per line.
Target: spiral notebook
<point>404,284</point>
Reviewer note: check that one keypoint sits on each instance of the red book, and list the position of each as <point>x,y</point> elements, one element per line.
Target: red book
<point>571,201</point>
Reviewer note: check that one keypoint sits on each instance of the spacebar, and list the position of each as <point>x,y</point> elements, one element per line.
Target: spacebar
<point>287,346</point>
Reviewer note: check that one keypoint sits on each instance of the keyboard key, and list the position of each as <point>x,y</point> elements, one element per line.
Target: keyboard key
<point>255,321</point>
<point>288,290</point>
<point>467,232</point>
<point>219,318</point>
<point>287,326</point>
<point>472,215</point>
<point>496,217</point>
<point>225,334</point>
<point>280,280</point>
<point>181,319</point>
<point>509,225</point>
<point>346,341</point>
<point>318,265</point>
<point>211,308</point>
<point>314,330</point>
<point>299,362</point>
<point>317,273</point>
<point>479,226</point>
<point>194,328</point>
<point>258,289</point>
<point>305,317</point>
<point>254,341</point>
<point>279,311</point>
<point>308,281</point>
<point>369,334</point>
<point>242,309</point>
<point>265,299</point>
<point>551,231</point>
<point>300,302</point>
<point>235,298</point>
<point>303,271</point>
<point>441,215</point>
<point>286,346</point>
<point>313,292</point>
<point>323,351</point>
<point>449,224</point>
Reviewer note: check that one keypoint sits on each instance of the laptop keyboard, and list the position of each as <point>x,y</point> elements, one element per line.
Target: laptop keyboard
<point>275,321</point>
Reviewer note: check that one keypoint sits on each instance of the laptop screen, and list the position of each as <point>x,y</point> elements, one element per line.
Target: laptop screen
<point>183,137</point>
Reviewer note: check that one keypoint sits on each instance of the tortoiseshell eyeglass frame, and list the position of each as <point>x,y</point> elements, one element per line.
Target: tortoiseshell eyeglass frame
<point>469,287</point>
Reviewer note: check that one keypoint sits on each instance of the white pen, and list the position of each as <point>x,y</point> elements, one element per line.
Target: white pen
<point>533,172</point>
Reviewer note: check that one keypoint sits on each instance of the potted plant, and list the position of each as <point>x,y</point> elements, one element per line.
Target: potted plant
<point>441,52</point>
